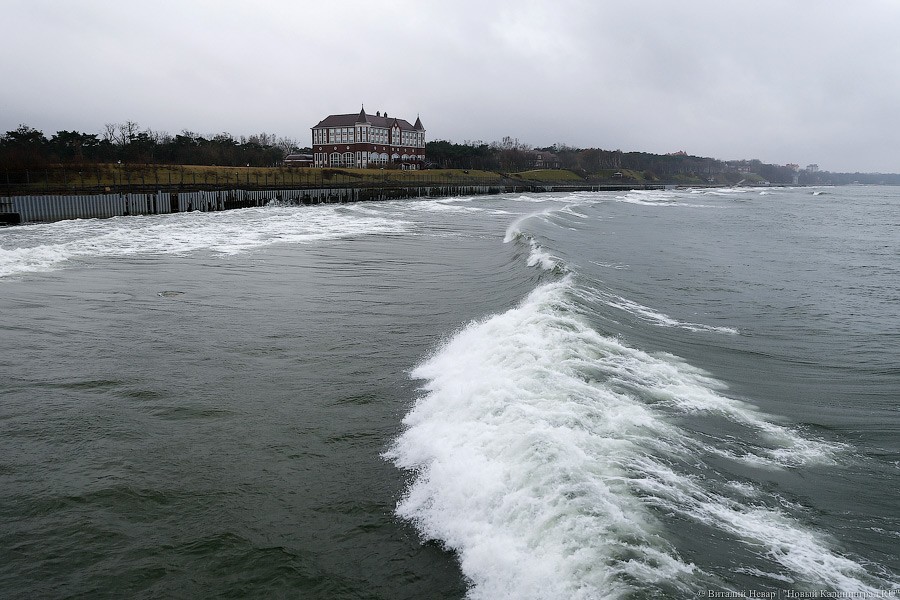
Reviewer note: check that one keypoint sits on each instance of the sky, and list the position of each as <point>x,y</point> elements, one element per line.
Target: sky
<point>782,81</point>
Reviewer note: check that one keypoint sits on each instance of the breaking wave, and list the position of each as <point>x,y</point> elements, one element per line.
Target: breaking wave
<point>545,453</point>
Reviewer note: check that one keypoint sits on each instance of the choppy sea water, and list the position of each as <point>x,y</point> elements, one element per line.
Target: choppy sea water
<point>593,395</point>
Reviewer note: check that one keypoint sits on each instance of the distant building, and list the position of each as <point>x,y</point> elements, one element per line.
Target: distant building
<point>793,167</point>
<point>366,141</point>
<point>544,160</point>
<point>812,168</point>
<point>298,160</point>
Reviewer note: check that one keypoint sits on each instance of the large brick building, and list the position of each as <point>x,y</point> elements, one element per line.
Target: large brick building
<point>367,141</point>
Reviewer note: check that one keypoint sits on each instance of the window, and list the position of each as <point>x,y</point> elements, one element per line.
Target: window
<point>335,159</point>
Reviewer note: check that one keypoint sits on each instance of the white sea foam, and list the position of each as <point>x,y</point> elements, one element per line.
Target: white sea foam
<point>441,206</point>
<point>648,314</point>
<point>659,198</point>
<point>572,209</point>
<point>453,199</point>
<point>771,532</point>
<point>758,573</point>
<point>227,232</point>
<point>539,447</point>
<point>609,265</point>
<point>538,255</point>
<point>722,191</point>
<point>533,199</point>
<point>648,198</point>
<point>676,386</point>
<point>519,462</point>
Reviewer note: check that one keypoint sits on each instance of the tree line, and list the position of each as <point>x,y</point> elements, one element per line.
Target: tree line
<point>28,148</point>
<point>511,155</point>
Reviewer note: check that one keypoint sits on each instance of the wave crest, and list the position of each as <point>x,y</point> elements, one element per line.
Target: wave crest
<point>542,454</point>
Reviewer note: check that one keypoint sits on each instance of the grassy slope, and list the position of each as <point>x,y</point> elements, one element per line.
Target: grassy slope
<point>118,177</point>
<point>114,176</point>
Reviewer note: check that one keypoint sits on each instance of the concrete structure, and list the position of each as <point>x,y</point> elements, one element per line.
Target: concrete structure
<point>366,141</point>
<point>298,160</point>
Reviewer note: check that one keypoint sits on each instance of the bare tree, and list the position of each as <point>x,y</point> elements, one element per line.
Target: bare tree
<point>286,145</point>
<point>263,139</point>
<point>128,131</point>
<point>109,132</point>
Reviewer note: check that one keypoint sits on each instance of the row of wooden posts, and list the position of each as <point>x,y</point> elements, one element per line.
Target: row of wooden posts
<point>54,207</point>
<point>48,208</point>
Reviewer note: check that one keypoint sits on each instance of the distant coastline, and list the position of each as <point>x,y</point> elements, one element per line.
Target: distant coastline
<point>129,158</point>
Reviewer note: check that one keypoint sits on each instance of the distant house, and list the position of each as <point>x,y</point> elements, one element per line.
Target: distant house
<point>544,160</point>
<point>367,141</point>
<point>298,160</point>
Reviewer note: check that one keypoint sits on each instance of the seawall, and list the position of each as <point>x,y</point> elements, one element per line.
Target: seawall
<point>53,207</point>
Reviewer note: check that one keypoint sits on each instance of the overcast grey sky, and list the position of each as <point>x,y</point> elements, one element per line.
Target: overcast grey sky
<point>802,81</point>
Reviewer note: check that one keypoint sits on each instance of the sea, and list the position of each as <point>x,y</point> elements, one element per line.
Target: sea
<point>685,393</point>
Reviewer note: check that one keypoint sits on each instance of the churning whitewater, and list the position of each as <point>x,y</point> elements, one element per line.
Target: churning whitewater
<point>44,247</point>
